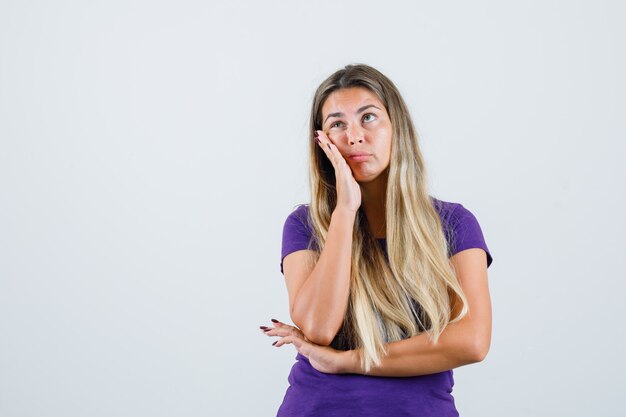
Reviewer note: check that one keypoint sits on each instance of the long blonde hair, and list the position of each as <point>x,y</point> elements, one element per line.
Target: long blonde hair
<point>414,291</point>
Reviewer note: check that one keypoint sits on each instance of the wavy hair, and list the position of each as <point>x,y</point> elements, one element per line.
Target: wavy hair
<point>415,290</point>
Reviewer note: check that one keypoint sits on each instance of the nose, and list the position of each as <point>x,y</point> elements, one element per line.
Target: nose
<point>354,134</point>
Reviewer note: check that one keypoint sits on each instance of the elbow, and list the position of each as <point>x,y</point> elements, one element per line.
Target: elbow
<point>315,334</point>
<point>322,340</point>
<point>477,350</point>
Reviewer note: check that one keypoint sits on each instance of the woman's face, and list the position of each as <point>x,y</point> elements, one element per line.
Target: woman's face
<point>356,121</point>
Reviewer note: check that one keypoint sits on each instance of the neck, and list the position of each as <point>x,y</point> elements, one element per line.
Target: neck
<point>374,197</point>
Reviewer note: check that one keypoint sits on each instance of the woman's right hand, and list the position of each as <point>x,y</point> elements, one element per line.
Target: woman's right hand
<point>348,190</point>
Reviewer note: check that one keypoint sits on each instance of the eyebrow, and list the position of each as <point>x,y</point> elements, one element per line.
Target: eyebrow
<point>360,110</point>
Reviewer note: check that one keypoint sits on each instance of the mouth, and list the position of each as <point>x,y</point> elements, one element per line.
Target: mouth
<point>359,157</point>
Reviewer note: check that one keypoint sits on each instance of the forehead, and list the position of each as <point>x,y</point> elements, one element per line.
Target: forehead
<point>348,100</point>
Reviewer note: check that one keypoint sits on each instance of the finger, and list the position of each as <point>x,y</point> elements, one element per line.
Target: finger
<point>302,347</point>
<point>321,140</point>
<point>328,147</point>
<point>284,330</point>
<point>287,327</point>
<point>324,136</point>
<point>282,325</point>
<point>331,149</point>
<point>296,341</point>
<point>326,141</point>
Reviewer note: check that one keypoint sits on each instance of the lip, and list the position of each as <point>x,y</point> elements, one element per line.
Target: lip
<point>359,156</point>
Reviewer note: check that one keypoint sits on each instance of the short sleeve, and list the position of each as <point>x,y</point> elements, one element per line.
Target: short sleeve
<point>297,233</point>
<point>465,232</point>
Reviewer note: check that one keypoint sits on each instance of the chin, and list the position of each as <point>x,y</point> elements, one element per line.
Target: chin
<point>365,180</point>
<point>366,176</point>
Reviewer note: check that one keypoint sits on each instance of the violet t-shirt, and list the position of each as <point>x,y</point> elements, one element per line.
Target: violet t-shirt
<point>314,393</point>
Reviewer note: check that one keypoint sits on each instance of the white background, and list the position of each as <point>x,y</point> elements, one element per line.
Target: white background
<point>150,152</point>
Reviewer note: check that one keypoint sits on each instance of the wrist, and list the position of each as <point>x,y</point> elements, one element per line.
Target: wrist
<point>351,362</point>
<point>344,212</point>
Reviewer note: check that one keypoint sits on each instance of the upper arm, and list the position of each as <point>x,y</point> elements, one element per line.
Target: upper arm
<point>297,266</point>
<point>298,253</point>
<point>470,260</point>
<point>471,270</point>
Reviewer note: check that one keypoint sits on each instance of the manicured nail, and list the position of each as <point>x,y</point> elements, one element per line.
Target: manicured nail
<point>274,344</point>
<point>317,133</point>
<point>263,327</point>
<point>275,321</point>
<point>266,330</point>
<point>329,146</point>
<point>317,140</point>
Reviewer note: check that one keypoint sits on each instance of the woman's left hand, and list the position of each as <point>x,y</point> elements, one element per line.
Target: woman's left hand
<point>323,358</point>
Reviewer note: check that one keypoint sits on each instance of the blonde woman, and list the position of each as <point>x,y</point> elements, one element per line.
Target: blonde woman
<point>387,285</point>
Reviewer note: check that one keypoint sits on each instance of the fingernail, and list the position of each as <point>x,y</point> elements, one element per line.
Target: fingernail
<point>328,144</point>
<point>266,330</point>
<point>275,321</point>
<point>317,140</point>
<point>274,344</point>
<point>263,327</point>
<point>317,133</point>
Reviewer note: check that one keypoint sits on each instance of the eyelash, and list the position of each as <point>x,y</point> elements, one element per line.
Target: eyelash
<point>365,115</point>
<point>369,114</point>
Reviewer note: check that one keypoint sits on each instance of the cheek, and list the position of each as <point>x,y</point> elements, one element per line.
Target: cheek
<point>386,142</point>
<point>336,135</point>
<point>388,155</point>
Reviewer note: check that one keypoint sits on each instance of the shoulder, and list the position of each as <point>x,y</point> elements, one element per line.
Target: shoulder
<point>299,216</point>
<point>445,208</point>
<point>297,232</point>
<point>462,229</point>
<point>451,212</point>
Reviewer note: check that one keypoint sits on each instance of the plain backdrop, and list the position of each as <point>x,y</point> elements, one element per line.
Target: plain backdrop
<point>150,152</point>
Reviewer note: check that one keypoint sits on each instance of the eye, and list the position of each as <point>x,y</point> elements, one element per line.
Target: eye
<point>335,124</point>
<point>368,117</point>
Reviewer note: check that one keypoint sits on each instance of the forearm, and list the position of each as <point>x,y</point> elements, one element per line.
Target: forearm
<point>323,298</point>
<point>460,344</point>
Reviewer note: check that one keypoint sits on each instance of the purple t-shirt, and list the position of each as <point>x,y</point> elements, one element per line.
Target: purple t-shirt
<point>314,393</point>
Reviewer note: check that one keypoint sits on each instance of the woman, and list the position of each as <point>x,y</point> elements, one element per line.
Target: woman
<point>387,285</point>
